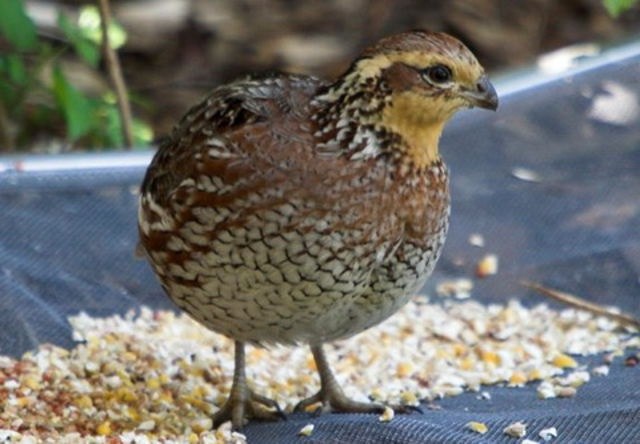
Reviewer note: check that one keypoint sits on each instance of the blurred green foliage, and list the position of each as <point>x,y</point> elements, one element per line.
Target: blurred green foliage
<point>36,94</point>
<point>617,7</point>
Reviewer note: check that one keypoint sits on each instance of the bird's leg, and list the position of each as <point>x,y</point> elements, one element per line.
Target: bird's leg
<point>331,395</point>
<point>242,403</point>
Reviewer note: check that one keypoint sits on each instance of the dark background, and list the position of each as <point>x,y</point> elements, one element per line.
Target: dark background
<point>177,50</point>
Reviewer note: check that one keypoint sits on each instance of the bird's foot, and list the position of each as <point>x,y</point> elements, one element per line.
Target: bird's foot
<point>244,404</point>
<point>332,399</point>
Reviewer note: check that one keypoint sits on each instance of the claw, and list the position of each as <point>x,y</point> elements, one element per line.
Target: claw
<point>243,403</point>
<point>238,410</point>
<point>330,394</point>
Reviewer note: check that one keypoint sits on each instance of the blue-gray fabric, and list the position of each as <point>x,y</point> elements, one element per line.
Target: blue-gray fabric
<point>67,241</point>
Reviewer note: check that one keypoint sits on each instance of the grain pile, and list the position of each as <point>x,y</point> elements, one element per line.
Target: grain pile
<point>151,376</point>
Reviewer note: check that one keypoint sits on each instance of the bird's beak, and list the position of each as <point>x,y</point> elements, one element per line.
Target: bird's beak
<point>484,95</point>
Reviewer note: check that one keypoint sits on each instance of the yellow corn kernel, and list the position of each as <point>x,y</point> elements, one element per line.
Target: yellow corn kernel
<point>104,429</point>
<point>124,377</point>
<point>23,401</point>
<point>443,353</point>
<point>83,402</point>
<point>201,425</point>
<point>257,354</point>
<point>489,357</point>
<point>404,369</point>
<point>311,408</point>
<point>110,367</point>
<point>193,438</point>
<point>133,413</point>
<point>125,394</point>
<point>199,392</point>
<point>311,364</point>
<point>376,394</point>
<point>478,427</point>
<point>459,349</point>
<point>564,361</point>
<point>305,379</point>
<point>164,379</point>
<point>517,378</point>
<point>408,398</point>
<point>129,356</point>
<point>153,383</point>
<point>198,403</point>
<point>535,374</point>
<point>467,363</point>
<point>166,396</point>
<point>31,382</point>
<point>387,415</point>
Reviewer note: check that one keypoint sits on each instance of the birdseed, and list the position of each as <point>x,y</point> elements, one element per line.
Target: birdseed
<point>387,415</point>
<point>153,376</point>
<point>516,430</point>
<point>476,239</point>
<point>307,430</point>
<point>478,427</point>
<point>487,266</point>
<point>548,434</point>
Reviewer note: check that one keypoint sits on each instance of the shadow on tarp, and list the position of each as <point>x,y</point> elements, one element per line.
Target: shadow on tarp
<point>552,182</point>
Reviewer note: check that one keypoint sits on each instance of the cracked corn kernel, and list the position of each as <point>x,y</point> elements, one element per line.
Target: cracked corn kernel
<point>311,364</point>
<point>467,363</point>
<point>548,434</point>
<point>546,390</point>
<point>478,427</point>
<point>133,413</point>
<point>31,382</point>
<point>312,408</point>
<point>376,394</point>
<point>566,392</point>
<point>153,383</point>
<point>83,402</point>
<point>439,340</point>
<point>535,374</point>
<point>564,361</point>
<point>202,425</point>
<point>409,398</point>
<point>387,414</point>
<point>404,369</point>
<point>104,428</point>
<point>24,401</point>
<point>125,394</point>
<point>602,370</point>
<point>516,430</point>
<point>517,378</point>
<point>307,430</point>
<point>487,266</point>
<point>489,357</point>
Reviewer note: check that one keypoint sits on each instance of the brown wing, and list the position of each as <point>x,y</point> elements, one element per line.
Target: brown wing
<point>217,126</point>
<point>245,158</point>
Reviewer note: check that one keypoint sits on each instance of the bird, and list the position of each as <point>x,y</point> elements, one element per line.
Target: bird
<point>288,209</point>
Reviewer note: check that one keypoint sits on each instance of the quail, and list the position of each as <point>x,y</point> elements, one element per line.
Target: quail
<point>286,209</point>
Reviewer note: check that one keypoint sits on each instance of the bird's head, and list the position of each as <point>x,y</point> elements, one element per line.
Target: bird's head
<point>418,80</point>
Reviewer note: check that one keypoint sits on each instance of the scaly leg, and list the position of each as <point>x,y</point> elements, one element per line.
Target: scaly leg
<point>331,395</point>
<point>242,403</point>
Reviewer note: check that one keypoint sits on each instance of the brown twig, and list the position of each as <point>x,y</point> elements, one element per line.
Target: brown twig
<point>115,73</point>
<point>6,143</point>
<point>575,301</point>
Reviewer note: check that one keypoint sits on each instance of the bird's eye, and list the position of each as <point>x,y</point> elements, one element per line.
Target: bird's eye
<point>437,74</point>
